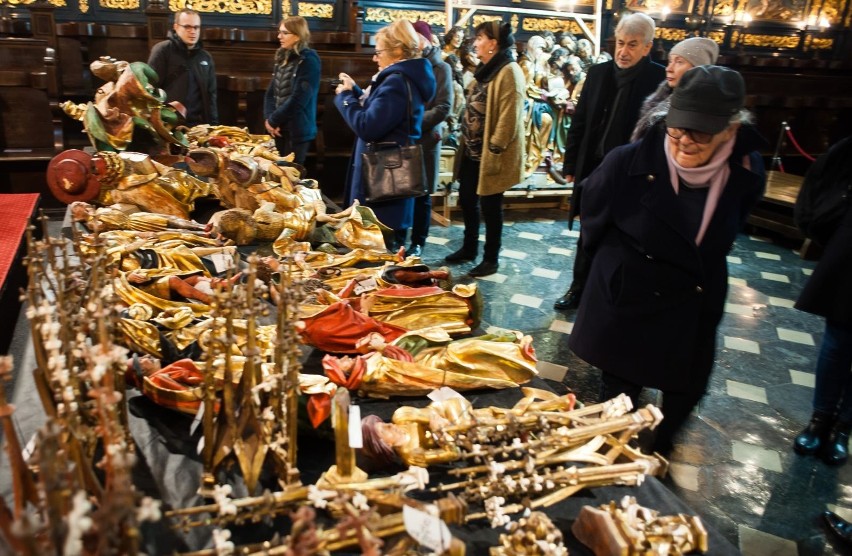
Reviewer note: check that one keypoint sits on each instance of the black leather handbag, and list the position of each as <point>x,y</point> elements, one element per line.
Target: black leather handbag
<point>391,171</point>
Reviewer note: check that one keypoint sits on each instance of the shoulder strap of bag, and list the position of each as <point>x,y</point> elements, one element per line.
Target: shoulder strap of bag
<point>410,104</point>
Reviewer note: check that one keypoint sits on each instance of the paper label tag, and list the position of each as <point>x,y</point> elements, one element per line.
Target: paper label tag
<point>428,530</point>
<point>355,438</point>
<point>28,450</point>
<point>442,394</point>
<point>366,285</point>
<point>197,420</point>
<point>222,262</point>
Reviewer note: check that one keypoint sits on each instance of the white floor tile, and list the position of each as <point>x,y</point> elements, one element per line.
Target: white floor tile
<point>562,326</point>
<point>795,336</point>
<point>512,254</point>
<point>758,543</point>
<point>767,256</point>
<point>750,454</point>
<point>526,300</point>
<point>737,309</point>
<point>737,281</point>
<point>734,260</point>
<point>570,233</point>
<point>742,344</point>
<point>775,277</point>
<point>544,220</point>
<point>845,513</point>
<point>802,379</point>
<point>560,251</point>
<point>685,476</point>
<point>508,222</point>
<point>551,371</point>
<point>807,271</point>
<point>481,237</point>
<point>546,273</point>
<point>530,235</point>
<point>759,239</point>
<point>437,240</point>
<point>781,302</point>
<point>746,391</point>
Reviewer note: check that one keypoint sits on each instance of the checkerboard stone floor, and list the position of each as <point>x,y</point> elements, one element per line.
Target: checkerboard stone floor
<point>733,463</point>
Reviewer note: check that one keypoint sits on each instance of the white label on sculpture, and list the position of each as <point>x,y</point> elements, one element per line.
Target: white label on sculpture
<point>355,439</point>
<point>428,530</point>
<point>222,262</point>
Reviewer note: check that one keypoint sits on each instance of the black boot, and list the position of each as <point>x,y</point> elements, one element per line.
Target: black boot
<point>836,450</point>
<point>466,253</point>
<point>840,527</point>
<point>815,434</point>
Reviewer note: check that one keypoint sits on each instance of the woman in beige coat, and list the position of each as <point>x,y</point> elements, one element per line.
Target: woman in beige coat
<point>492,149</point>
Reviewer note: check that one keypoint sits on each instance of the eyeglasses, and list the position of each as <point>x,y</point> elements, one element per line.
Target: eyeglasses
<point>380,50</point>
<point>700,137</point>
<point>285,33</point>
<point>190,27</point>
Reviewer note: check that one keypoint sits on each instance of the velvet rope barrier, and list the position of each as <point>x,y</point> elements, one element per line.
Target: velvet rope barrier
<point>796,144</point>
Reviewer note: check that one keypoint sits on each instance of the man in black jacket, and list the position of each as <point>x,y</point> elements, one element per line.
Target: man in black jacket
<point>606,114</point>
<point>186,70</point>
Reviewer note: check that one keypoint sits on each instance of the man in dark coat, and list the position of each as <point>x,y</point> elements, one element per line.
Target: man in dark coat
<point>606,114</point>
<point>434,123</point>
<point>659,218</point>
<point>186,70</point>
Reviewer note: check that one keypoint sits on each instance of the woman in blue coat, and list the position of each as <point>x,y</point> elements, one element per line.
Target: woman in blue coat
<point>660,215</point>
<point>290,103</point>
<point>383,114</point>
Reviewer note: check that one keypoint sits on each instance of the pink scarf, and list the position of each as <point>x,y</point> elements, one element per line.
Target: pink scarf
<point>714,175</point>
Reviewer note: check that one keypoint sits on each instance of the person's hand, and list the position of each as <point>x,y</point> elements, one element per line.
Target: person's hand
<point>346,83</point>
<point>273,131</point>
<point>569,178</point>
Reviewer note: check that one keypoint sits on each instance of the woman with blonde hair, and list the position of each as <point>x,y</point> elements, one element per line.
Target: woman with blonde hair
<point>392,112</point>
<point>290,103</point>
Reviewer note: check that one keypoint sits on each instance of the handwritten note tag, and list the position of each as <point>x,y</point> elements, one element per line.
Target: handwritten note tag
<point>365,286</point>
<point>355,439</point>
<point>428,530</point>
<point>222,262</point>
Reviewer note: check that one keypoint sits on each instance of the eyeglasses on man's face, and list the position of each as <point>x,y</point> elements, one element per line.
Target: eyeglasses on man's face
<point>700,137</point>
<point>380,50</point>
<point>190,27</point>
<point>283,32</point>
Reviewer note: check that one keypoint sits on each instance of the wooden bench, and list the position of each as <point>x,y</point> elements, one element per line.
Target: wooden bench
<point>30,118</point>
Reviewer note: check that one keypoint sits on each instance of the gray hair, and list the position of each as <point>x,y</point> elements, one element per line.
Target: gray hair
<point>636,24</point>
<point>536,41</point>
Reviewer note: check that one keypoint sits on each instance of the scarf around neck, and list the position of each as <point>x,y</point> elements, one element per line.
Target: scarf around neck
<point>486,72</point>
<point>713,175</point>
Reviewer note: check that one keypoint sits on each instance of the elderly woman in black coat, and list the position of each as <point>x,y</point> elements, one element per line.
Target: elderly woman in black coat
<point>659,217</point>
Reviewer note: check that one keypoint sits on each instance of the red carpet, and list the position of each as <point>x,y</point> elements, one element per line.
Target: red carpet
<point>16,209</point>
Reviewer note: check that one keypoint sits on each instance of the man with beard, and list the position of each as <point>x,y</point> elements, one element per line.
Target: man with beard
<point>186,70</point>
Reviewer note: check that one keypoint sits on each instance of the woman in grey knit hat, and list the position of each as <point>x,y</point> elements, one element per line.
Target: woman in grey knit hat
<point>685,55</point>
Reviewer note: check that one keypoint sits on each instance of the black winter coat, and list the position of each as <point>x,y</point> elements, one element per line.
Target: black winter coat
<point>828,292</point>
<point>654,298</point>
<point>173,61</point>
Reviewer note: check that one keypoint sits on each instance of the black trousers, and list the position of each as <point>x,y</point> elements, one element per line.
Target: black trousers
<point>299,150</point>
<point>582,266</point>
<point>423,204</point>
<point>676,407</point>
<point>491,207</point>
